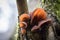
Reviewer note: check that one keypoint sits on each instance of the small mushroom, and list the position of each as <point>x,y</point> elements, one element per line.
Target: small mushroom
<point>23,31</point>
<point>24,17</point>
<point>40,24</point>
<point>23,25</point>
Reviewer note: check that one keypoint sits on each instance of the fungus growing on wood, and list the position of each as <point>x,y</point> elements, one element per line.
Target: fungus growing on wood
<point>39,17</point>
<point>38,14</point>
<point>47,21</point>
<point>24,18</point>
<point>23,25</point>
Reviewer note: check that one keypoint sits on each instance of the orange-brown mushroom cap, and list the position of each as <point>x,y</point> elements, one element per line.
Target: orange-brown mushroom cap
<point>24,17</point>
<point>38,14</point>
<point>23,25</point>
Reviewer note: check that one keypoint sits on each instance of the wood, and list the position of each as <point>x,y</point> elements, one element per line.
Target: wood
<point>22,6</point>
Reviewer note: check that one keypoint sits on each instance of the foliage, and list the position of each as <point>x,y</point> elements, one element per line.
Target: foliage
<point>53,6</point>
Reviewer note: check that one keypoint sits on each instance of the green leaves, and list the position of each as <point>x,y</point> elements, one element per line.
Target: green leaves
<point>54,6</point>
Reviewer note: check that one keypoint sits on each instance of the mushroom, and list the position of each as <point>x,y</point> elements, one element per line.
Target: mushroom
<point>39,17</point>
<point>38,14</point>
<point>23,25</point>
<point>40,24</point>
<point>24,19</point>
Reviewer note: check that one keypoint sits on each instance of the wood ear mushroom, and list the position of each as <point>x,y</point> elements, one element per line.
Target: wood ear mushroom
<point>24,18</point>
<point>40,24</point>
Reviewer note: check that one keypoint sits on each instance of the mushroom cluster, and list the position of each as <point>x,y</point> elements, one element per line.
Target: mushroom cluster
<point>34,20</point>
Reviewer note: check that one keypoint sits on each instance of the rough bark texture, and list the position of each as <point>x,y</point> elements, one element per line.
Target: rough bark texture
<point>22,6</point>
